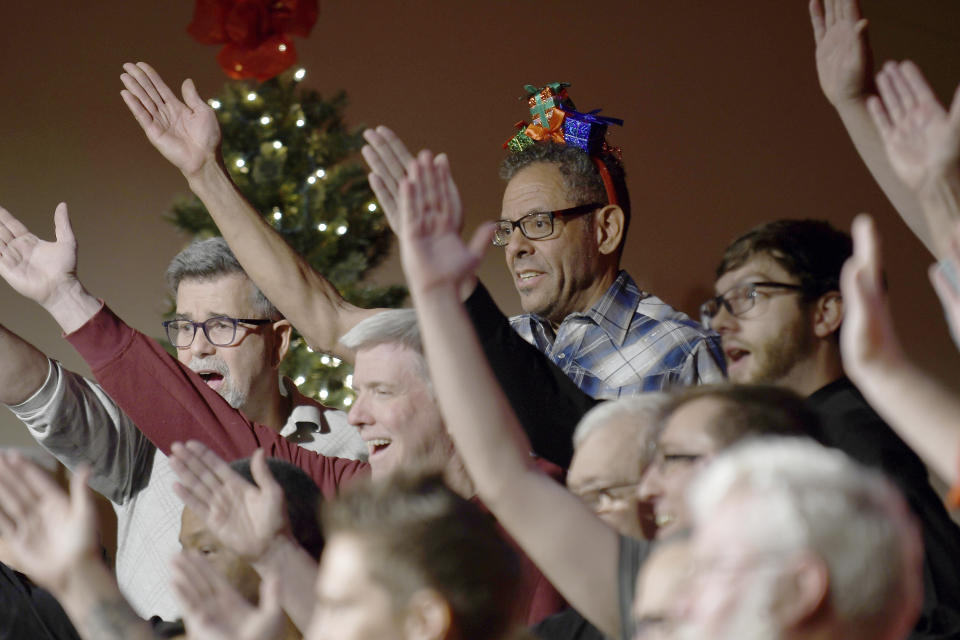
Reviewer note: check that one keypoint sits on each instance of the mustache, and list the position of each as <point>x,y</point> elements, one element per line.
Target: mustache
<point>210,363</point>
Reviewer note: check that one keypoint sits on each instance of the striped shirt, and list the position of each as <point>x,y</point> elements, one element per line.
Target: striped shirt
<point>628,342</point>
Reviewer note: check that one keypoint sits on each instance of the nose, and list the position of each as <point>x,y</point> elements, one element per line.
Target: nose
<point>201,347</point>
<point>518,246</point>
<point>651,485</point>
<point>358,415</point>
<point>724,322</point>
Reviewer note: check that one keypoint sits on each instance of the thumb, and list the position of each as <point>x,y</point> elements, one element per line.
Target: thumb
<point>482,239</point>
<point>62,226</point>
<point>191,96</point>
<point>955,108</point>
<point>261,472</point>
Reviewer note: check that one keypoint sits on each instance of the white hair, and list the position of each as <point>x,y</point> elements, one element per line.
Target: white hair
<point>808,497</point>
<point>645,409</point>
<point>393,326</point>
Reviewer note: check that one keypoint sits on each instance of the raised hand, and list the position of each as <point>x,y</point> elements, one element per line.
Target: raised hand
<point>185,132</point>
<point>387,157</point>
<point>245,517</point>
<point>214,610</point>
<point>922,139</point>
<point>432,252</point>
<point>35,268</point>
<point>868,342</point>
<point>50,534</point>
<point>843,52</point>
<point>945,277</point>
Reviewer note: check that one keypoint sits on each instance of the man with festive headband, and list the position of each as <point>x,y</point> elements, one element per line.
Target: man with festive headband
<point>565,215</point>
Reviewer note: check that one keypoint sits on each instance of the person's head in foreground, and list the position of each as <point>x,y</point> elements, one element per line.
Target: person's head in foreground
<point>395,409</point>
<point>225,329</point>
<point>565,209</point>
<point>702,421</point>
<point>660,583</point>
<point>409,559</point>
<point>301,498</point>
<point>794,540</point>
<point>612,448</point>
<point>778,307</point>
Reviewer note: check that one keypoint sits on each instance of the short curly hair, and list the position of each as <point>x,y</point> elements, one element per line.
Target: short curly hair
<point>581,177</point>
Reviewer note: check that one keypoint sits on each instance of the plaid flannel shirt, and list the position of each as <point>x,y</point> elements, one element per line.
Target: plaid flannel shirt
<point>628,342</point>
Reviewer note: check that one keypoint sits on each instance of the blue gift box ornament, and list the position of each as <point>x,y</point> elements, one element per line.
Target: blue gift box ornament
<point>586,131</point>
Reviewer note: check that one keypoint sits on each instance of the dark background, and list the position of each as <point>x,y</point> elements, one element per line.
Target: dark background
<point>725,127</point>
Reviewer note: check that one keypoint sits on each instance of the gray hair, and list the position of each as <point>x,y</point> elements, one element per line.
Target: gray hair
<point>580,175</point>
<point>393,326</point>
<point>646,409</point>
<point>210,259</point>
<point>809,497</point>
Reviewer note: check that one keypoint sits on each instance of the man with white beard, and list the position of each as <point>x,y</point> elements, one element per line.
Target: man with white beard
<point>792,540</point>
<point>226,330</point>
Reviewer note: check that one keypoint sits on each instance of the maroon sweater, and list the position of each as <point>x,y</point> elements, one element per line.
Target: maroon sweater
<point>170,403</point>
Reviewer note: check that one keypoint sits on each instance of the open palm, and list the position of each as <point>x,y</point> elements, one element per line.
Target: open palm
<point>185,132</point>
<point>36,268</point>
<point>843,54</point>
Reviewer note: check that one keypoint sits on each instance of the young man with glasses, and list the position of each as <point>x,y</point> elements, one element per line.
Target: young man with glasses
<point>778,311</point>
<point>226,331</point>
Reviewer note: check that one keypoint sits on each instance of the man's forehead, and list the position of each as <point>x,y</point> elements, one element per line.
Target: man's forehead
<point>539,186</point>
<point>760,267</point>
<point>228,293</point>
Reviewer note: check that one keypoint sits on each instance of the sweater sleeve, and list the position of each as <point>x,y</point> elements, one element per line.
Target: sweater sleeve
<point>170,403</point>
<point>547,402</point>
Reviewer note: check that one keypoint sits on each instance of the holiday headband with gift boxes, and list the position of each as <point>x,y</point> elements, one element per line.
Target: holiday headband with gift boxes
<point>555,119</point>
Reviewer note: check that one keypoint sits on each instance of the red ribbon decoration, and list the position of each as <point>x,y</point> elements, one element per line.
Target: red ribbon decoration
<point>254,33</point>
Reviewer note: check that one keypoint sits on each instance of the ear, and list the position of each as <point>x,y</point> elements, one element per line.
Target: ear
<point>803,592</point>
<point>609,227</point>
<point>282,332</point>
<point>428,616</point>
<point>828,314</point>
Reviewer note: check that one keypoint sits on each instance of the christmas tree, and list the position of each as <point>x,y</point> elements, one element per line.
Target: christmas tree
<point>291,154</point>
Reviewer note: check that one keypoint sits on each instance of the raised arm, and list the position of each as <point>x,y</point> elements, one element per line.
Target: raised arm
<point>187,134</point>
<point>23,368</point>
<point>249,519</point>
<point>844,67</point>
<point>921,409</point>
<point>581,563</point>
<point>922,141</point>
<point>54,540</point>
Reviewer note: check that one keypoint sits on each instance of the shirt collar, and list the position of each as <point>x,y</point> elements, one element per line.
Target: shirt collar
<point>614,312</point>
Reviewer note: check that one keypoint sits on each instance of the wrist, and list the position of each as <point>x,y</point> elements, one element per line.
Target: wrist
<point>71,305</point>
<point>273,553</point>
<point>209,172</point>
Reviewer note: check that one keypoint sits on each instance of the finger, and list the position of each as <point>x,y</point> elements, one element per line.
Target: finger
<point>955,108</point>
<point>142,116</point>
<point>261,473</point>
<point>410,218</point>
<point>166,95</point>
<point>889,94</point>
<point>904,91</point>
<point>62,227</point>
<point>881,119</point>
<point>375,161</point>
<point>830,14</point>
<point>132,81</point>
<point>919,87</point>
<point>389,165</point>
<point>14,226</point>
<point>192,97</point>
<point>866,244</point>
<point>817,20</point>
<point>385,196</point>
<point>448,187</point>
<point>214,463</point>
<point>17,496</point>
<point>80,499</point>
<point>482,240</point>
<point>428,183</point>
<point>188,584</point>
<point>397,148</point>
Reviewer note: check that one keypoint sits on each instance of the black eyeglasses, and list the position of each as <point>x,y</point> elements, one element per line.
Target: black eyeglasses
<point>220,331</point>
<point>739,300</point>
<point>537,225</point>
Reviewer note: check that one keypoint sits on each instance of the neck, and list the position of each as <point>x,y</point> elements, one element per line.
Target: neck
<point>588,297</point>
<point>815,372</point>
<point>270,408</point>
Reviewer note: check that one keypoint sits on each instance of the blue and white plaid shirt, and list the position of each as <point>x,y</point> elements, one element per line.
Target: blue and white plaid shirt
<point>627,343</point>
